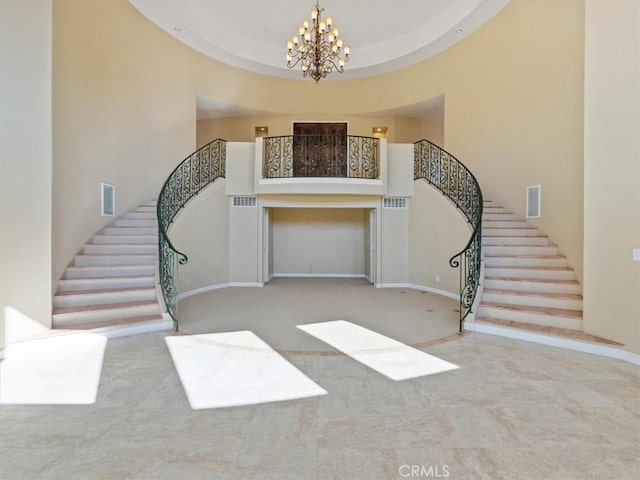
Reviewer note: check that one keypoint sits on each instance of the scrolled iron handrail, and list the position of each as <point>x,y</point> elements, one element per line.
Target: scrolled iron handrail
<point>454,180</point>
<point>194,173</point>
<point>321,155</point>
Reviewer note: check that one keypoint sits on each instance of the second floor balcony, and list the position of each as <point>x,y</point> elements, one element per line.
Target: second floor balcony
<point>320,163</point>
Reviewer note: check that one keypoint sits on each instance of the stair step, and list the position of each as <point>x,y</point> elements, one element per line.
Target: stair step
<point>525,260</point>
<point>509,232</point>
<point>144,208</point>
<point>108,271</point>
<point>545,329</point>
<point>140,215</point>
<point>521,249</point>
<point>106,260</point>
<point>126,239</point>
<point>120,249</point>
<point>530,272</point>
<point>131,230</point>
<point>497,240</point>
<point>81,299</point>
<point>113,326</point>
<point>532,284</point>
<point>70,317</point>
<point>504,224</point>
<point>501,216</point>
<point>555,317</point>
<point>102,284</point>
<point>135,222</point>
<point>568,301</point>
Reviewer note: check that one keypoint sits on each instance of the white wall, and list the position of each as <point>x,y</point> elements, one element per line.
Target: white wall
<point>244,238</point>
<point>612,171</point>
<point>201,231</point>
<point>26,161</point>
<point>318,241</point>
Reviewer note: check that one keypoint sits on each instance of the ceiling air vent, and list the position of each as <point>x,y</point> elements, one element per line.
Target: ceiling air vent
<point>108,199</point>
<point>244,201</point>
<point>394,202</point>
<point>533,201</point>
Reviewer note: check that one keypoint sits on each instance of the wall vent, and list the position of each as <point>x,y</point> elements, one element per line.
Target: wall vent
<point>108,199</point>
<point>533,201</point>
<point>394,202</point>
<point>244,201</point>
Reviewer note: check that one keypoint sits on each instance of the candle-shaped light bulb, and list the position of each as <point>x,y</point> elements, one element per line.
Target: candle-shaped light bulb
<point>331,38</point>
<point>323,26</point>
<point>329,22</point>
<point>289,45</point>
<point>341,63</point>
<point>305,24</point>
<point>295,40</point>
<point>289,58</point>
<point>314,14</point>
<point>301,30</point>
<point>347,50</point>
<point>336,32</point>
<point>307,36</point>
<point>339,43</point>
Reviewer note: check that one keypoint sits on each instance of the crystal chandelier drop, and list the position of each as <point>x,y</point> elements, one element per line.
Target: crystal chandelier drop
<point>318,48</point>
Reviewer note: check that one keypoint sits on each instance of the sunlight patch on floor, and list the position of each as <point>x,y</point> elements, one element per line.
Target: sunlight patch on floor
<point>57,370</point>
<point>383,354</point>
<point>235,368</point>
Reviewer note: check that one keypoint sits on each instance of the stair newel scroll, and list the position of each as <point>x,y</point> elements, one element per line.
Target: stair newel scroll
<point>193,174</point>
<point>446,173</point>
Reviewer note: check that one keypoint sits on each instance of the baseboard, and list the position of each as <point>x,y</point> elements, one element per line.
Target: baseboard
<point>319,275</point>
<point>413,286</point>
<point>569,344</point>
<point>198,291</point>
<point>218,286</point>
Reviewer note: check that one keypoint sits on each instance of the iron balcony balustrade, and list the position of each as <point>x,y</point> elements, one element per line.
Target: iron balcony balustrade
<point>192,175</point>
<point>445,172</point>
<point>322,155</point>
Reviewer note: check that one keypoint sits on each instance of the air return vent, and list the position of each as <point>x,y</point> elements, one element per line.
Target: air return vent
<point>244,201</point>
<point>108,195</point>
<point>394,202</point>
<point>533,201</point>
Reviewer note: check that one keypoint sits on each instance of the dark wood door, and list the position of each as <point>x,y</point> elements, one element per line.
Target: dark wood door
<point>319,149</point>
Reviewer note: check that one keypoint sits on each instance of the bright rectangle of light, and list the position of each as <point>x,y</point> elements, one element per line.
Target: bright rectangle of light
<point>62,369</point>
<point>235,368</point>
<point>389,357</point>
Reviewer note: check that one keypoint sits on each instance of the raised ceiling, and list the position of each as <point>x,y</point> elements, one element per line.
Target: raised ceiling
<point>383,35</point>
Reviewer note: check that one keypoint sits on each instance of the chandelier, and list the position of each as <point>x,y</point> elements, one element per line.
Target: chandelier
<point>318,48</point>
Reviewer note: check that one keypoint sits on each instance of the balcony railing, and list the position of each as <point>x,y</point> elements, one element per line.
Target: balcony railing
<point>346,156</point>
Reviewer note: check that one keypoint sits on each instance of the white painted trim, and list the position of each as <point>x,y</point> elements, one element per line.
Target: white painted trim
<point>217,286</point>
<point>320,275</point>
<point>413,286</point>
<point>322,180</point>
<point>566,343</point>
<point>198,291</point>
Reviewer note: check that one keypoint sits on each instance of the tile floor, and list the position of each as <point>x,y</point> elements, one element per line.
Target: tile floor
<point>513,410</point>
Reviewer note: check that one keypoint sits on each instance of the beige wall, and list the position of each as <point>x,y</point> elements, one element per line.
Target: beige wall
<point>612,171</point>
<point>242,129</point>
<point>123,113</point>
<point>437,231</point>
<point>318,241</point>
<point>201,231</point>
<point>25,162</point>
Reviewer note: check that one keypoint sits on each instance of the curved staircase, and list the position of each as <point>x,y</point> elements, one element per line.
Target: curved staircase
<point>528,283</point>
<point>110,287</point>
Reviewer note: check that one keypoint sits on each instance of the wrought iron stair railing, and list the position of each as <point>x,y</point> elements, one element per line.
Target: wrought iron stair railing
<point>193,174</point>
<point>321,155</point>
<point>446,173</point>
